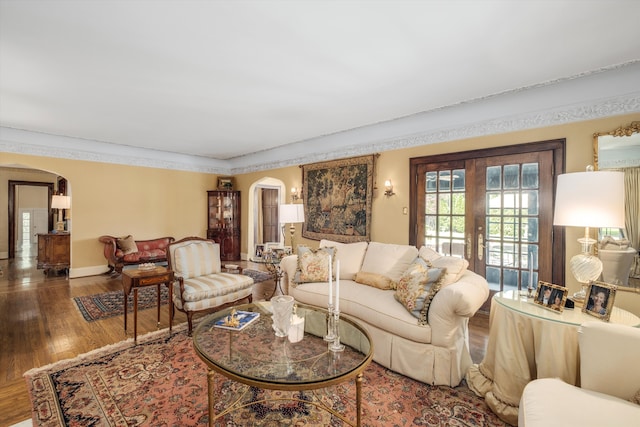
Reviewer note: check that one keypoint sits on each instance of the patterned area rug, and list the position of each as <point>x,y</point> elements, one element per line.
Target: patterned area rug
<point>110,304</point>
<point>161,381</point>
<point>256,275</point>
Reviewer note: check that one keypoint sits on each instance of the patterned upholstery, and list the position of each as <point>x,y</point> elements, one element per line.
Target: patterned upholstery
<point>154,250</point>
<point>197,259</point>
<point>200,284</point>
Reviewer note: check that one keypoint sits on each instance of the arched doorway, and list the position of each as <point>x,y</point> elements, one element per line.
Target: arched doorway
<point>28,202</point>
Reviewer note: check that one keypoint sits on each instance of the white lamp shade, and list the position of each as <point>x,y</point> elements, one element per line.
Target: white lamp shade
<point>292,213</point>
<point>590,199</point>
<point>60,202</point>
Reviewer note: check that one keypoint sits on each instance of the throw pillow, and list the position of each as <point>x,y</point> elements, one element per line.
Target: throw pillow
<point>388,259</point>
<point>313,265</point>
<point>417,287</point>
<point>127,245</point>
<point>373,279</point>
<point>454,266</point>
<point>349,254</point>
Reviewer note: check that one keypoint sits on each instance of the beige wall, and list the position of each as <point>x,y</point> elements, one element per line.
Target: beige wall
<point>147,202</point>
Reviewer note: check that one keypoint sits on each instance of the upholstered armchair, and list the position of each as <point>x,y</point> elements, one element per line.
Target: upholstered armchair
<point>200,283</point>
<point>609,383</point>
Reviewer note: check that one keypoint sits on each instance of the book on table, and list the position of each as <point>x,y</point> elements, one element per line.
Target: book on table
<point>237,320</point>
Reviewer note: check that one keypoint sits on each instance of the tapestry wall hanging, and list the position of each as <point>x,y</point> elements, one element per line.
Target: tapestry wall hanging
<point>337,199</point>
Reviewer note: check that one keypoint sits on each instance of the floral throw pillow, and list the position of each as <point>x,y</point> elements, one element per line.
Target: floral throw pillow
<point>417,287</point>
<point>313,265</point>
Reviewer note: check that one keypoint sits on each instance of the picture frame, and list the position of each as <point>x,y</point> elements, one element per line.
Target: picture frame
<point>337,197</point>
<point>270,246</point>
<point>599,300</point>
<point>258,251</point>
<point>225,183</point>
<point>550,296</point>
<point>277,253</point>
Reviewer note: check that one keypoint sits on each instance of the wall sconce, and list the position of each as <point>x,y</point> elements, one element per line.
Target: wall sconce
<point>388,188</point>
<point>295,195</point>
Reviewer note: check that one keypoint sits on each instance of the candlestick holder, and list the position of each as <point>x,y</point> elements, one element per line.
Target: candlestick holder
<point>330,325</point>
<point>335,345</point>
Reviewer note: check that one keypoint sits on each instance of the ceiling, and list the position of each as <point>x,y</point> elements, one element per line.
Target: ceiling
<point>239,85</point>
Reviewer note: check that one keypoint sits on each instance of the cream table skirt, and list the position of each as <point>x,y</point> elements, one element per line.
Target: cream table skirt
<point>526,342</point>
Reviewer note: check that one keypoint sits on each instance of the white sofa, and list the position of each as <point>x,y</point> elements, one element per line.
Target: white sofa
<point>609,376</point>
<point>435,353</point>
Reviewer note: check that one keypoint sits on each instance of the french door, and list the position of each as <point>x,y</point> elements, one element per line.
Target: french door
<point>495,209</point>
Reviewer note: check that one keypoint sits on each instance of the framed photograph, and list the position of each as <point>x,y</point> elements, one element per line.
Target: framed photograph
<point>337,198</point>
<point>551,296</point>
<point>277,253</point>
<point>258,252</point>
<point>270,246</point>
<point>225,183</point>
<point>599,301</point>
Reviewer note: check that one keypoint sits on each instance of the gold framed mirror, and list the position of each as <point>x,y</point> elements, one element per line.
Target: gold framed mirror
<point>619,150</point>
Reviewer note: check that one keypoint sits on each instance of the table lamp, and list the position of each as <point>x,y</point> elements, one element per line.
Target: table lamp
<point>589,199</point>
<point>60,203</point>
<point>292,214</point>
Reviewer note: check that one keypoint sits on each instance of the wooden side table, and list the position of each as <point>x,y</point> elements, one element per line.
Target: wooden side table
<point>137,278</point>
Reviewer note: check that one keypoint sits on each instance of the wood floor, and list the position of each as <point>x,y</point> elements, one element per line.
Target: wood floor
<point>40,324</point>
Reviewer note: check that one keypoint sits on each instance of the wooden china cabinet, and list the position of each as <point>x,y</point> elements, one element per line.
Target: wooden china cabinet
<point>224,222</point>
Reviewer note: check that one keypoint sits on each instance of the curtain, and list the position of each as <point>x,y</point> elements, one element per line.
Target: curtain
<point>259,219</point>
<point>632,205</point>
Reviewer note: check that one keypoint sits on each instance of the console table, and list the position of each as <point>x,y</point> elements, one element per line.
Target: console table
<point>527,341</point>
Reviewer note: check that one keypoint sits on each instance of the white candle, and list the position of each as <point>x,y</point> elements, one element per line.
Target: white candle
<point>330,281</point>
<point>338,285</point>
<point>531,270</point>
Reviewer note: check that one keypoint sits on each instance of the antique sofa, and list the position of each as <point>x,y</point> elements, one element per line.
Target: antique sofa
<point>609,392</point>
<point>121,251</point>
<point>434,349</point>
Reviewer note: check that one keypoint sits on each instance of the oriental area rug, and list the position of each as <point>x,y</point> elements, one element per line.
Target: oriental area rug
<point>110,304</point>
<point>161,381</point>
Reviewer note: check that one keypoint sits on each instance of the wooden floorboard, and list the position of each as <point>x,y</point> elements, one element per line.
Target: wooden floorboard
<point>41,324</point>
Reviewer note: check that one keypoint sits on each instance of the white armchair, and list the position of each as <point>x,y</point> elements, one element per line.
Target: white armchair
<point>610,377</point>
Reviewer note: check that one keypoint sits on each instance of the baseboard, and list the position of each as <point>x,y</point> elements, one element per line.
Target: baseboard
<point>87,271</point>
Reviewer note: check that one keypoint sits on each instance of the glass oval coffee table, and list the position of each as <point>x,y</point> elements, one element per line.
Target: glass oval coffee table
<point>256,357</point>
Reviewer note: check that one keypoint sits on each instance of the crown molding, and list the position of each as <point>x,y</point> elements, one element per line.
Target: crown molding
<point>559,116</point>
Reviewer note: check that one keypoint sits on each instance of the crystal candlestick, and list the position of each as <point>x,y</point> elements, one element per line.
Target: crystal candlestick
<point>330,325</point>
<point>335,345</point>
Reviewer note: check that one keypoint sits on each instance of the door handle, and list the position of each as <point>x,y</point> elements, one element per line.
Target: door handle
<point>480,247</point>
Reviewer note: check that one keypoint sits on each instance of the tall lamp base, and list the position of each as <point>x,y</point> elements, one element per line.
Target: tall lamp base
<point>585,268</point>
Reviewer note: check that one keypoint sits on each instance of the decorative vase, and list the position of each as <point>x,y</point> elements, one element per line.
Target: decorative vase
<point>282,309</point>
